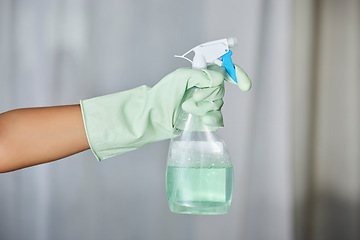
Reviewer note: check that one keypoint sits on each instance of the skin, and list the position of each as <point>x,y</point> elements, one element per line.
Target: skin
<point>33,136</point>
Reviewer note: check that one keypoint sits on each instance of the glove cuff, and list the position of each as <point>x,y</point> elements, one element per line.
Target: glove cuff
<point>124,121</point>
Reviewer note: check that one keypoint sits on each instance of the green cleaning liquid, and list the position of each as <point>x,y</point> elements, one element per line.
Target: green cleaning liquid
<point>199,190</point>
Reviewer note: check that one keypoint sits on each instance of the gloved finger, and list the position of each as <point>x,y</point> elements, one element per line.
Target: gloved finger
<point>244,81</point>
<point>201,108</point>
<point>209,94</point>
<point>213,118</point>
<point>203,78</point>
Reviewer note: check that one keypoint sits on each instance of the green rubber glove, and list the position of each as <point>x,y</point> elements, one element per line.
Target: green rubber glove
<point>124,121</point>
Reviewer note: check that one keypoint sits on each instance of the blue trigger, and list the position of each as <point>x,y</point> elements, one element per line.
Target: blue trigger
<point>228,64</point>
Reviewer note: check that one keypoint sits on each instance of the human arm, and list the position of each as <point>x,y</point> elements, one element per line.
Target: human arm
<point>114,123</point>
<point>33,136</point>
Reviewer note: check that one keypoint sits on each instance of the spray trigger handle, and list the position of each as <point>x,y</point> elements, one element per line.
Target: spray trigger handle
<point>228,65</point>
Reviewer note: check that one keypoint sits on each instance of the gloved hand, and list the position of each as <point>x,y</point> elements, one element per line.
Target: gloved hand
<point>124,121</point>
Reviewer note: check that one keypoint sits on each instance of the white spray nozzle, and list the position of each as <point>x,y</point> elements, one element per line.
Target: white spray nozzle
<point>232,41</point>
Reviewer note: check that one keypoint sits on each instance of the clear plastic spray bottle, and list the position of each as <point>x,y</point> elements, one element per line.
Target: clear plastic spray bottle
<point>199,174</point>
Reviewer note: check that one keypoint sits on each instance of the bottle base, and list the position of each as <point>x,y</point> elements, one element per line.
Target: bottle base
<point>202,208</point>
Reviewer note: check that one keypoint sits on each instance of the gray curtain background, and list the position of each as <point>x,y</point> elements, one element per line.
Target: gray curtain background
<point>325,119</point>
<point>293,138</point>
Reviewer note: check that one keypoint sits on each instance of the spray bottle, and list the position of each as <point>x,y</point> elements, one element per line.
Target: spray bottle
<point>199,174</point>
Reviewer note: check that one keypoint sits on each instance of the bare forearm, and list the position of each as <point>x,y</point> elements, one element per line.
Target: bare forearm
<point>34,136</point>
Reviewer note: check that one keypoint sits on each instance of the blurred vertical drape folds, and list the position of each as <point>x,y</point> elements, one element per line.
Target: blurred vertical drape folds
<point>293,138</point>
<point>326,116</point>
